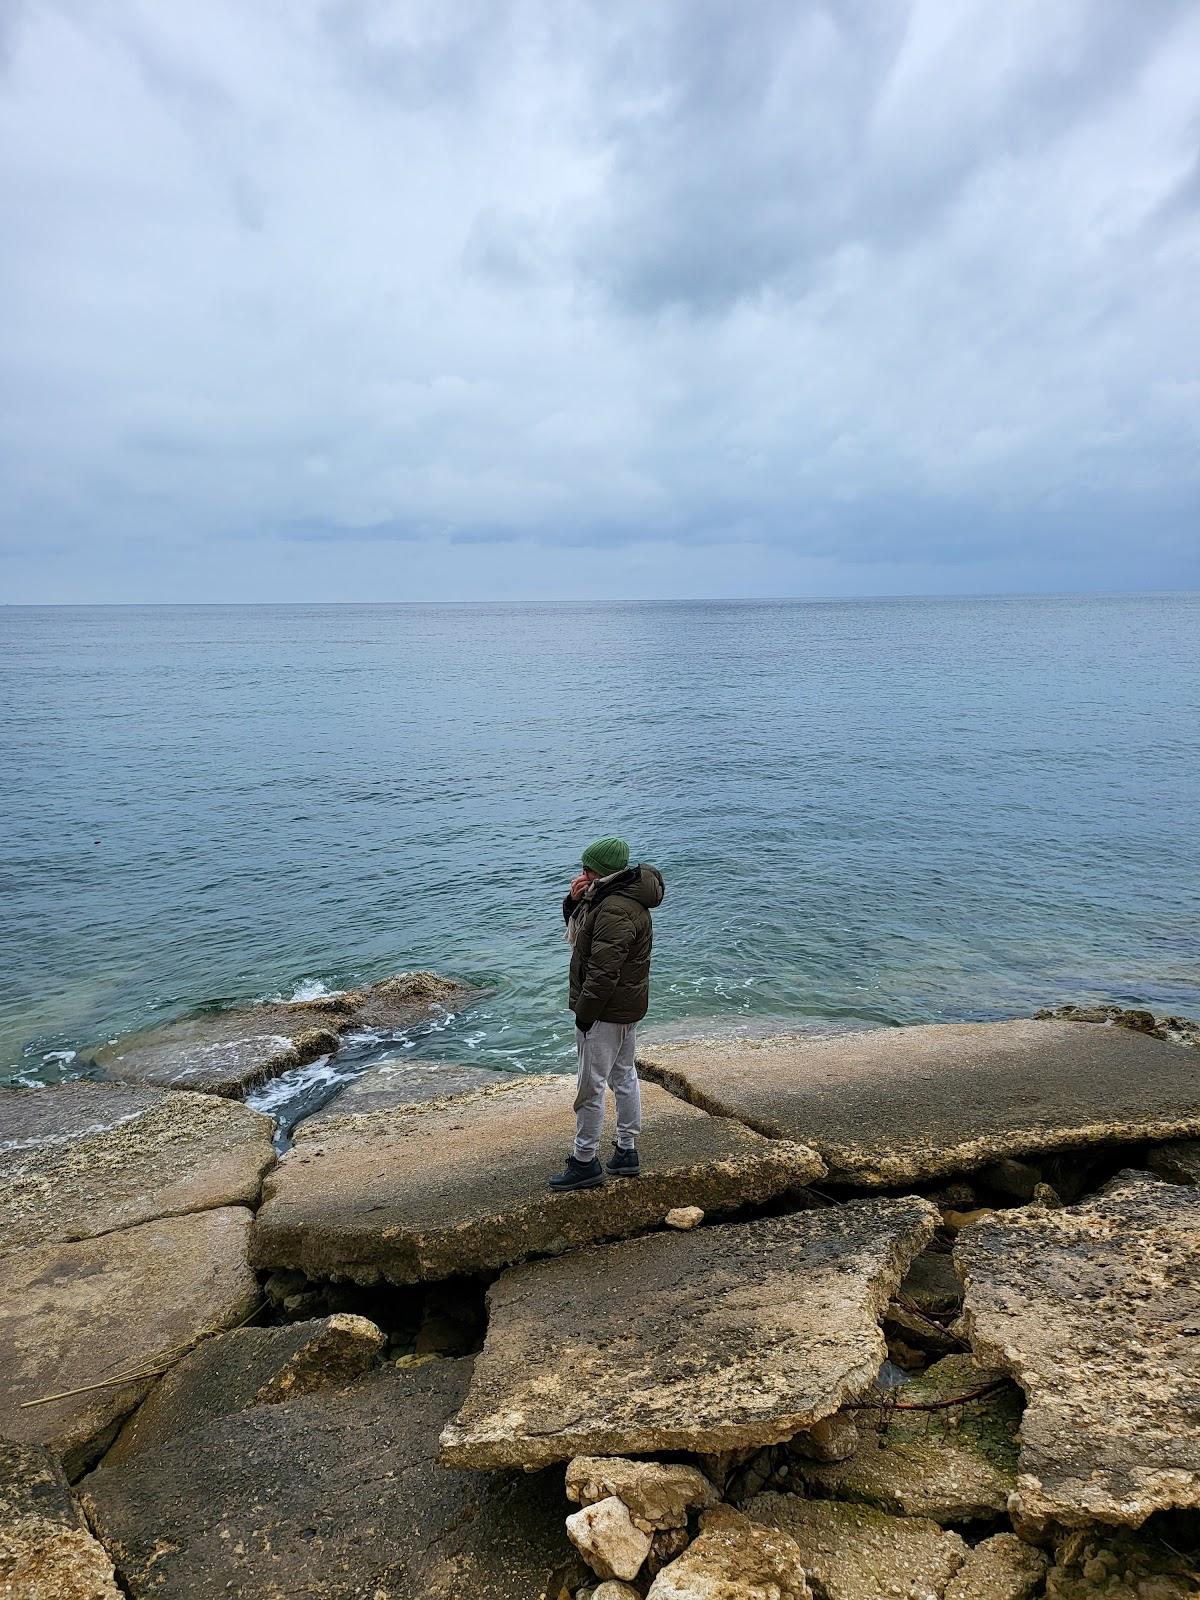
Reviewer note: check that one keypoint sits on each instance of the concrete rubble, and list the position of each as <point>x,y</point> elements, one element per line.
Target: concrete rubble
<point>75,1317</point>
<point>248,1367</point>
<point>1095,1310</point>
<point>46,1550</point>
<point>875,1106</point>
<point>744,1335</point>
<point>82,1159</point>
<point>230,1052</point>
<point>336,1493</point>
<point>460,1186</point>
<point>733,1558</point>
<point>608,1539</point>
<point>658,1494</point>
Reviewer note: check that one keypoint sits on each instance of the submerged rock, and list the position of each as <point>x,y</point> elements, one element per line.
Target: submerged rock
<point>958,1464</point>
<point>248,1367</point>
<point>337,1494</point>
<point>733,1558</point>
<point>397,1084</point>
<point>77,1316</point>
<point>898,1105</point>
<point>853,1552</point>
<point>720,1339</point>
<point>658,1494</point>
<point>231,1052</point>
<point>81,1159</point>
<point>460,1186</point>
<point>1095,1310</point>
<point>46,1551</point>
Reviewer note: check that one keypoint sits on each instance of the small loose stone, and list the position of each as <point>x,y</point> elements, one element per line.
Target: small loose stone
<point>684,1217</point>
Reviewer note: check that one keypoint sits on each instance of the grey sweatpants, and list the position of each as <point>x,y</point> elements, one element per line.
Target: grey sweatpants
<point>606,1061</point>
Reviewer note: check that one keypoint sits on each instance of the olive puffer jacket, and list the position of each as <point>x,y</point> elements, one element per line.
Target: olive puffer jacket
<point>610,960</point>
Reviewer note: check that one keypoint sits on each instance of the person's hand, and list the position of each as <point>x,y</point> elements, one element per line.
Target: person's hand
<point>579,886</point>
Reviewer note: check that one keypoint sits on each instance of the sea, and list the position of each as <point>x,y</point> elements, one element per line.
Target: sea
<point>867,812</point>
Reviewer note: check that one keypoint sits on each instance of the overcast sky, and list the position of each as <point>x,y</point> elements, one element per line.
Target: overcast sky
<point>357,300</point>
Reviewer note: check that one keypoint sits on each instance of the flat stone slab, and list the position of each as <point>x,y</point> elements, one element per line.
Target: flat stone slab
<point>953,1465</point>
<point>231,1052</point>
<point>73,1316</point>
<point>899,1105</point>
<point>398,1084</point>
<point>460,1187</point>
<point>248,1367</point>
<point>1095,1310</point>
<point>336,1494</point>
<point>857,1553</point>
<point>1178,1163</point>
<point>81,1159</point>
<point>46,1551</point>
<point>712,1340</point>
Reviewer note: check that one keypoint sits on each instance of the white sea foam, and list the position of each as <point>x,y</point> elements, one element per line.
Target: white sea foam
<point>289,1086</point>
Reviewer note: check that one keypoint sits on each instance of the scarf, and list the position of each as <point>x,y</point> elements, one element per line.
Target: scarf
<point>575,920</point>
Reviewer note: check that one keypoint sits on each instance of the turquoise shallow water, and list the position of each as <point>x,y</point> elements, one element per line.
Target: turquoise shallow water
<point>866,811</point>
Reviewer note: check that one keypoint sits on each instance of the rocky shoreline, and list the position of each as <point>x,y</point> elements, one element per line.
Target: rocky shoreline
<point>911,1314</point>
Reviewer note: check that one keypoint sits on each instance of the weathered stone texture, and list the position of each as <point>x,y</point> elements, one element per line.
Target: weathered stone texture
<point>608,1539</point>
<point>249,1367</point>
<point>230,1052</point>
<point>726,1337</point>
<point>72,1315</point>
<point>853,1552</point>
<point>1178,1163</point>
<point>952,1465</point>
<point>81,1159</point>
<point>1104,1564</point>
<point>398,1084</point>
<point>1096,1312</point>
<point>999,1568</point>
<point>896,1105</point>
<point>733,1558</point>
<point>336,1494</point>
<point>658,1494</point>
<point>460,1187</point>
<point>46,1551</point>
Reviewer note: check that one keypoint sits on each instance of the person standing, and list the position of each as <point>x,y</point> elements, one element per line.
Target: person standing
<point>607,913</point>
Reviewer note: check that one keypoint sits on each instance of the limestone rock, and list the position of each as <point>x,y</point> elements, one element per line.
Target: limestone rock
<point>608,1539</point>
<point>658,1494</point>
<point>1178,1163</point>
<point>684,1218</point>
<point>666,1545</point>
<point>734,1559</point>
<point>1096,1312</point>
<point>73,1315</point>
<point>46,1551</point>
<point>399,1083</point>
<point>336,1494</point>
<point>999,1568</point>
<point>953,1465</point>
<point>614,1589</point>
<point>248,1367</point>
<point>230,1052</point>
<point>81,1159</point>
<point>853,1552</point>
<point>898,1105</point>
<point>1104,1564</point>
<point>743,1335</point>
<point>1178,1030</point>
<point>460,1187</point>
<point>832,1439</point>
<point>931,1285</point>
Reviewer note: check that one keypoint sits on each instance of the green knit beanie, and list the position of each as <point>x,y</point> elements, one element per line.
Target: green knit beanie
<point>605,856</point>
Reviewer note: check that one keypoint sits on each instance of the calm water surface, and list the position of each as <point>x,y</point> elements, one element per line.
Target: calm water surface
<point>865,811</point>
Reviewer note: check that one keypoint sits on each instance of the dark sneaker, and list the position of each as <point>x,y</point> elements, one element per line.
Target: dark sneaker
<point>623,1163</point>
<point>578,1175</point>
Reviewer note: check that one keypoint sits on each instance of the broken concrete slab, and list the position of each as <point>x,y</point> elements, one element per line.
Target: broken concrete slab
<point>658,1494</point>
<point>1000,1568</point>
<point>899,1105</point>
<point>338,1494</point>
<point>1178,1163</point>
<point>249,1367</point>
<point>81,1159</point>
<point>81,1316</point>
<point>1095,1310</point>
<point>958,1464</point>
<point>460,1186</point>
<point>725,1337</point>
<point>230,1052</point>
<point>733,1558</point>
<point>46,1550</point>
<point>398,1083</point>
<point>853,1552</point>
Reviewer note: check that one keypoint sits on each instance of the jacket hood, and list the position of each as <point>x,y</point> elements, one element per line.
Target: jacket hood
<point>641,883</point>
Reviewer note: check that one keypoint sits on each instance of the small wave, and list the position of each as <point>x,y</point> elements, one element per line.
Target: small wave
<point>59,1055</point>
<point>289,1087</point>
